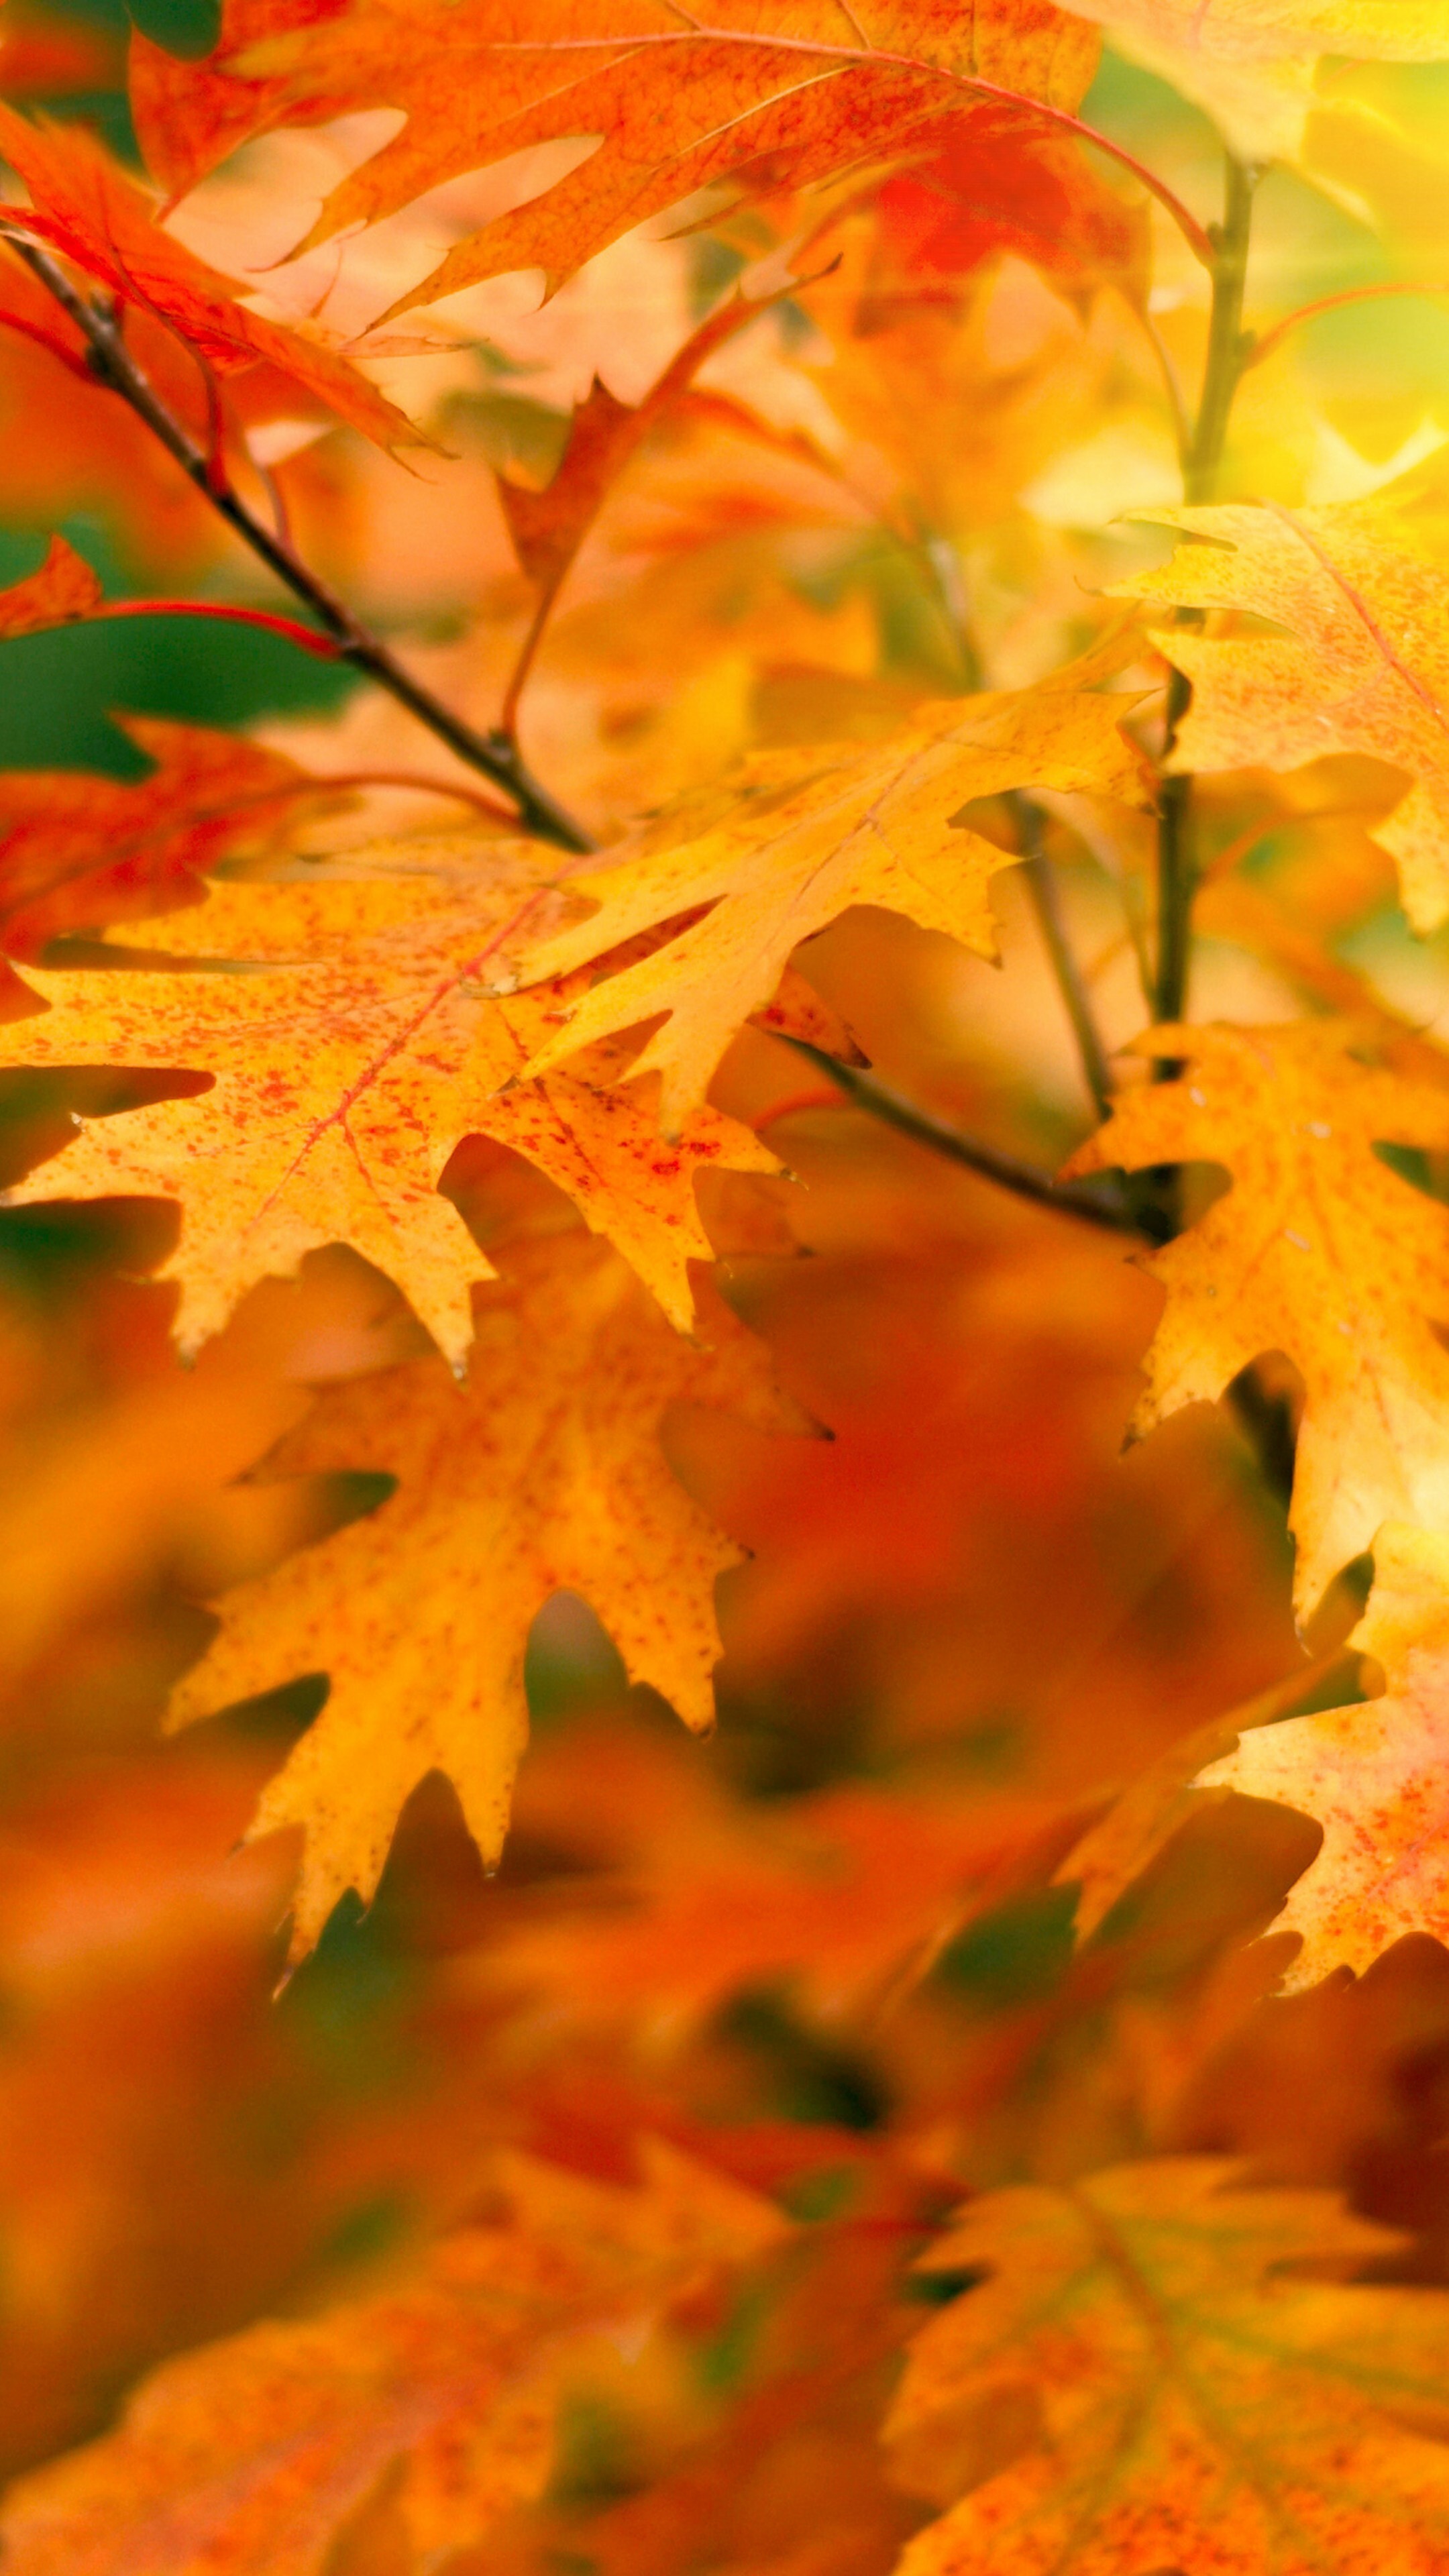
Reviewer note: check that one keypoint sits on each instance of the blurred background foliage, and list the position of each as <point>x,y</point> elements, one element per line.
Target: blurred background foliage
<point>965,1596</point>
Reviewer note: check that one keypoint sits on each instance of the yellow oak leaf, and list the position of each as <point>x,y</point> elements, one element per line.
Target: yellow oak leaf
<point>351,1050</point>
<point>798,89</point>
<point>444,2386</point>
<point>1252,63</point>
<point>1317,1250</point>
<point>1375,1776</point>
<point>1362,590</point>
<point>544,1474</point>
<point>806,834</point>
<point>1173,2396</point>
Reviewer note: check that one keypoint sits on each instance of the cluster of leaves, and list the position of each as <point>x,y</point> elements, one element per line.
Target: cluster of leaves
<point>986,2107</point>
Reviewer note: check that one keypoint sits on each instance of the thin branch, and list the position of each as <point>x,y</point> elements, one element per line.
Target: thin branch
<point>1041,885</point>
<point>112,365</point>
<point>1266,342</point>
<point>1027,1180</point>
<point>1227,350</point>
<point>1171,381</point>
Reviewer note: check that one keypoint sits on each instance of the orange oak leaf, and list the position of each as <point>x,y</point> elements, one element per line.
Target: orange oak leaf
<point>78,851</point>
<point>1251,63</point>
<point>1119,1848</point>
<point>1173,2395</point>
<point>806,834</point>
<point>64,589</point>
<point>747,97</point>
<point>351,1053</point>
<point>260,2450</point>
<point>548,527</point>
<point>973,186</point>
<point>84,204</point>
<point>1362,590</point>
<point>1318,1250</point>
<point>544,1475</point>
<point>837,1893</point>
<point>1374,1775</point>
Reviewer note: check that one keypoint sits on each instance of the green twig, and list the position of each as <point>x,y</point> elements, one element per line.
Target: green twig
<point>1228,351</point>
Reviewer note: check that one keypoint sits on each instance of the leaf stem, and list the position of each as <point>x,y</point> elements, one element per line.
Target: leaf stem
<point>1264,344</point>
<point>1227,354</point>
<point>495,753</point>
<point>1027,1180</point>
<point>1041,885</point>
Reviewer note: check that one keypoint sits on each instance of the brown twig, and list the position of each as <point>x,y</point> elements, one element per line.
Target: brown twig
<point>1027,1180</point>
<point>495,754</point>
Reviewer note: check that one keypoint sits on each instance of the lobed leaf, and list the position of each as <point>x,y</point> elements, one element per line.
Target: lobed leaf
<point>1373,1775</point>
<point>791,93</point>
<point>352,1046</point>
<point>1361,590</point>
<point>544,1474</point>
<point>86,205</point>
<point>258,2452</point>
<point>1317,1250</point>
<point>1176,2397</point>
<point>809,833</point>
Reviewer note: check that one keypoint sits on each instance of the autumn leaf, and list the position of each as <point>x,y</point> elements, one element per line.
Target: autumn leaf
<point>352,1048</point>
<point>1373,1775</point>
<point>1174,2395</point>
<point>1251,63</point>
<point>548,527</point>
<point>972,188</point>
<point>65,588</point>
<point>1318,1250</point>
<point>85,205</point>
<point>807,834</point>
<point>544,1475</point>
<point>680,104</point>
<point>447,2381</point>
<point>1362,590</point>
<point>836,1894</point>
<point>78,851</point>
<point>1119,1848</point>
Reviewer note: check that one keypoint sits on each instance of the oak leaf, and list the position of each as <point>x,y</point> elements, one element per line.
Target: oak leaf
<point>1317,1250</point>
<point>805,834</point>
<point>63,590</point>
<point>1362,590</point>
<point>1373,1775</point>
<point>972,188</point>
<point>1252,63</point>
<point>351,1052</point>
<point>700,1896</point>
<point>1175,2397</point>
<point>545,1474</point>
<point>78,851</point>
<point>680,104</point>
<point>548,527</point>
<point>262,2449</point>
<point>86,206</point>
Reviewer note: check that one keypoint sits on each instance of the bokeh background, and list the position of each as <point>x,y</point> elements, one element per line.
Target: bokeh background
<point>966,1616</point>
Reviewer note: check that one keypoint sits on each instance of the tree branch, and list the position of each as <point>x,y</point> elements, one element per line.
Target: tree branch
<point>1228,350</point>
<point>495,754</point>
<point>1027,1180</point>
